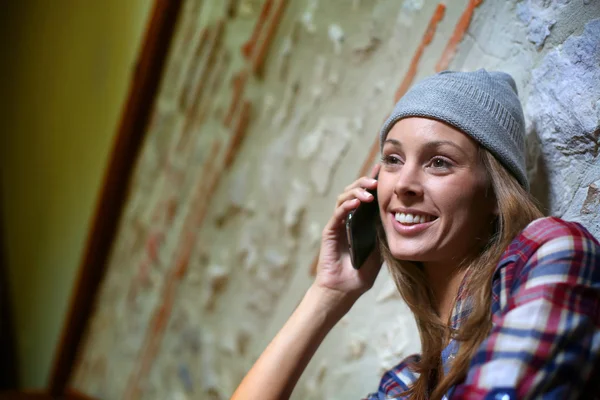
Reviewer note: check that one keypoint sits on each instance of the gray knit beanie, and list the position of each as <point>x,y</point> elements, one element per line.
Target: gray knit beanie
<point>484,105</point>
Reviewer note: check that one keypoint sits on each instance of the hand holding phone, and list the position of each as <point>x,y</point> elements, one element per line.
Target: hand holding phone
<point>361,230</point>
<point>334,272</point>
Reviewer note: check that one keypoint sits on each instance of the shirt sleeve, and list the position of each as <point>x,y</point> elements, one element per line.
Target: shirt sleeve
<point>545,340</point>
<point>395,381</point>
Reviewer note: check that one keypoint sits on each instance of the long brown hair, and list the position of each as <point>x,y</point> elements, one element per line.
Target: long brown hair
<point>516,209</point>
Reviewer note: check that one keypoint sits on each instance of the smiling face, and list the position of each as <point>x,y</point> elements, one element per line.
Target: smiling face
<point>435,198</point>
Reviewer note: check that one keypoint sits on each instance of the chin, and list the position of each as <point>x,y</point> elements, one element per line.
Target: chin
<point>409,258</point>
<point>414,247</point>
<point>404,254</point>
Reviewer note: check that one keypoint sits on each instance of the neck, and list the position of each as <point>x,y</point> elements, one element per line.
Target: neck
<point>444,281</point>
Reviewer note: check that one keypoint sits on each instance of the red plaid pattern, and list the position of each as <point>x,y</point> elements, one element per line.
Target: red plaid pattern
<point>545,340</point>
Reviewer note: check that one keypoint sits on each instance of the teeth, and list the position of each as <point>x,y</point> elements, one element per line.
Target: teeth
<point>412,218</point>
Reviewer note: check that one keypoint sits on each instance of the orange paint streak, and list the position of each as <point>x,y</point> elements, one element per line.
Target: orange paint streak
<point>183,259</point>
<point>187,87</point>
<point>248,47</point>
<point>210,179</point>
<point>143,273</point>
<point>213,81</point>
<point>172,205</point>
<point>203,194</point>
<point>153,339</point>
<point>202,77</point>
<point>211,188</point>
<point>261,53</point>
<point>160,318</point>
<point>239,84</point>
<point>239,132</point>
<point>153,245</point>
<point>195,88</point>
<point>457,36</point>
<point>438,15</point>
<point>208,193</point>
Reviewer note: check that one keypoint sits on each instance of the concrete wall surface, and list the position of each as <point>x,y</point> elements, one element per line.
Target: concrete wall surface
<point>267,111</point>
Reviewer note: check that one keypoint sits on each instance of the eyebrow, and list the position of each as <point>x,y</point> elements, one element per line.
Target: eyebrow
<point>429,145</point>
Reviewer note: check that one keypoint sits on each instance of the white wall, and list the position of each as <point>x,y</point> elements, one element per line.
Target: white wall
<point>308,135</point>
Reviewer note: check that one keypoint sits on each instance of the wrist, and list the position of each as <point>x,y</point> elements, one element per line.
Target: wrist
<point>332,305</point>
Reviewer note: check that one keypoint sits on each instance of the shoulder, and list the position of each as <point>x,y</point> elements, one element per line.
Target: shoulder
<point>544,230</point>
<point>549,251</point>
<point>549,235</point>
<point>545,337</point>
<point>548,228</point>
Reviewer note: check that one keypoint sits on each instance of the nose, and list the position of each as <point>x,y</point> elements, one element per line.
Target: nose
<point>409,181</point>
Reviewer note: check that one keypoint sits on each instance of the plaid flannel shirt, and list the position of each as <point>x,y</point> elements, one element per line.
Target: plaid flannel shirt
<point>545,339</point>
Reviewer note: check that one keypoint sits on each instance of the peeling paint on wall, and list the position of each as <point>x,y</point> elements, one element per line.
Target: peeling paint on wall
<point>538,18</point>
<point>251,142</point>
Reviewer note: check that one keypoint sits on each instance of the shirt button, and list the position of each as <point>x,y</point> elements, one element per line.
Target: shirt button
<point>502,396</point>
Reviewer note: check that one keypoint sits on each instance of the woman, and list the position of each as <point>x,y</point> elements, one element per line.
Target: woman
<point>507,302</point>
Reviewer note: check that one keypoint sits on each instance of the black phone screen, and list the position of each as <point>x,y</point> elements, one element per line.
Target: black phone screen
<point>361,229</point>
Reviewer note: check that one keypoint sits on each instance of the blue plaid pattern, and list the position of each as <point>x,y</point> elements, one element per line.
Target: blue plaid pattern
<point>545,339</point>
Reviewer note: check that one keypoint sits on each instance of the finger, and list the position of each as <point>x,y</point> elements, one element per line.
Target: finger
<point>367,183</point>
<point>364,182</point>
<point>356,193</point>
<point>341,212</point>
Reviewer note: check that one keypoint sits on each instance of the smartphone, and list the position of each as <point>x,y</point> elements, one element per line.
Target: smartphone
<point>361,229</point>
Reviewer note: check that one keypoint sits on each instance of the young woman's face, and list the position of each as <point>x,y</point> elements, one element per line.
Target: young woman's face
<point>435,199</point>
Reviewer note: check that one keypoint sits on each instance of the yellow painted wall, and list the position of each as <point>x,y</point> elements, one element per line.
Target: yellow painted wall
<point>64,75</point>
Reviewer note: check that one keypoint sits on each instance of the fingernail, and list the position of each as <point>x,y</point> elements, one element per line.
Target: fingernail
<point>369,195</point>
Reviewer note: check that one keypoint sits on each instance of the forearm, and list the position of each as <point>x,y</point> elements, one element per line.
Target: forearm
<point>278,369</point>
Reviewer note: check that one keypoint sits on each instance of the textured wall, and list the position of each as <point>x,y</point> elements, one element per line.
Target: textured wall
<point>268,109</point>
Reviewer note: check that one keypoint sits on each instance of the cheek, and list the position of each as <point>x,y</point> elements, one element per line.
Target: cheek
<point>461,198</point>
<point>385,191</point>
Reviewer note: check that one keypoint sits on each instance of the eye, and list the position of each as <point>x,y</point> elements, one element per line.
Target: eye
<point>440,163</point>
<point>391,159</point>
